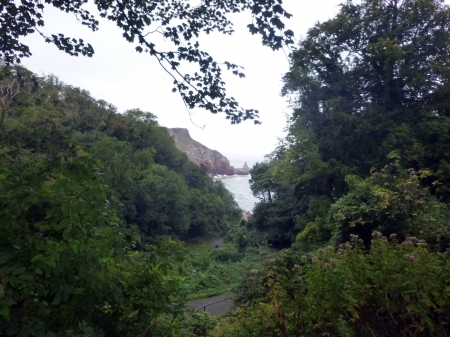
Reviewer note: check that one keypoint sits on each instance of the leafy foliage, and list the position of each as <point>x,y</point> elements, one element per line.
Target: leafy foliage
<point>79,185</point>
<point>208,271</point>
<point>196,324</point>
<point>364,160</point>
<point>391,201</point>
<point>368,83</point>
<point>66,266</point>
<point>158,188</point>
<point>176,20</point>
<point>394,290</point>
<point>274,214</point>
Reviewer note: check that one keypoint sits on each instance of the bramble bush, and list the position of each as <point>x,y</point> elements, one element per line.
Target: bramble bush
<point>208,271</point>
<point>395,289</point>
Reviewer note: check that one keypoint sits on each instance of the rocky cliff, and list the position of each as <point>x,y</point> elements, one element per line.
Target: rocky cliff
<point>213,161</point>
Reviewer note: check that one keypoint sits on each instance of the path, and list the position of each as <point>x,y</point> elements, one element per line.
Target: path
<point>216,309</point>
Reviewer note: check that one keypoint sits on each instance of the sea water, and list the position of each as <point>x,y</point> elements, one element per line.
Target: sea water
<point>240,187</point>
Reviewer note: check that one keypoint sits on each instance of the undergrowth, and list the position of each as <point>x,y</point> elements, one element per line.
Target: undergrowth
<point>208,271</point>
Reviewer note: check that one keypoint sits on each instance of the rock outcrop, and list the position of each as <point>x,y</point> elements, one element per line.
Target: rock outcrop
<point>213,161</point>
<point>242,171</point>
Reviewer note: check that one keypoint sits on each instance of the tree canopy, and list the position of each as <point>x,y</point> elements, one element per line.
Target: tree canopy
<point>152,184</point>
<point>176,20</point>
<point>83,191</point>
<point>359,187</point>
<point>367,86</point>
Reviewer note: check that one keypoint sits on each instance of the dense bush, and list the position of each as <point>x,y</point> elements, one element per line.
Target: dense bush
<point>80,185</point>
<point>391,200</point>
<point>395,289</point>
<point>371,81</point>
<point>196,324</point>
<point>208,271</point>
<point>159,190</point>
<point>243,237</point>
<point>67,266</point>
<point>227,253</point>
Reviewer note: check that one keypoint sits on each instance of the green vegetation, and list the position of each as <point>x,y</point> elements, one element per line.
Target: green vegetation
<point>66,267</point>
<point>364,164</point>
<point>392,290</point>
<point>150,183</point>
<point>367,141</point>
<point>83,189</point>
<point>208,271</point>
<point>92,200</point>
<point>178,21</point>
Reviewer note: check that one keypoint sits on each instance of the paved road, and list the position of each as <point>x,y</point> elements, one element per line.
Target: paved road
<point>216,309</point>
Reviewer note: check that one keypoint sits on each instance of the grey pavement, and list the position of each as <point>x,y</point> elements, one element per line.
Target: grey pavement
<point>216,309</point>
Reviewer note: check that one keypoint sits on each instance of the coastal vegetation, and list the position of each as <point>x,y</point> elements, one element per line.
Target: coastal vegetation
<point>366,147</point>
<point>95,205</point>
<point>358,189</point>
<point>90,201</point>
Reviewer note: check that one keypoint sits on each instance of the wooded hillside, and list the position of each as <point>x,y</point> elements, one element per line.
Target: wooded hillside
<point>83,191</point>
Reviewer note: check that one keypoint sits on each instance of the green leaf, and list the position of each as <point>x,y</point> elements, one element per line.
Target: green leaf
<point>64,223</point>
<point>74,245</point>
<point>26,277</point>
<point>4,258</point>
<point>57,297</point>
<point>5,304</point>
<point>49,261</point>
<point>134,313</point>
<point>18,271</point>
<point>37,258</point>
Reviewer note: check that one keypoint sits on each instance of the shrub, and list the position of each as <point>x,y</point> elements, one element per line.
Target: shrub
<point>391,200</point>
<point>395,289</point>
<point>227,253</point>
<point>66,268</point>
<point>195,324</point>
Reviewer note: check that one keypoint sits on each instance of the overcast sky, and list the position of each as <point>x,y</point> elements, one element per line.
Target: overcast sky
<point>127,79</point>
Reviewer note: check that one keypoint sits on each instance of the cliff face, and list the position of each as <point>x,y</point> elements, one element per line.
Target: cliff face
<point>213,161</point>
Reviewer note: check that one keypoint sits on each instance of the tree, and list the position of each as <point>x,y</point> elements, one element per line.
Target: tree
<point>261,182</point>
<point>176,20</point>
<point>373,80</point>
<point>161,203</point>
<point>369,82</point>
<point>391,201</point>
<point>274,214</point>
<point>66,266</point>
<point>151,179</point>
